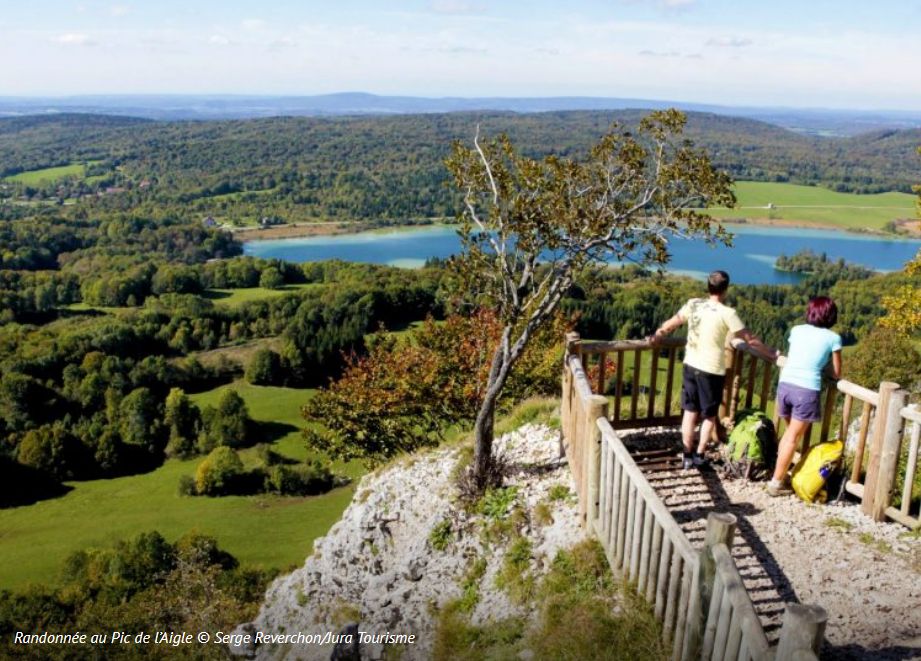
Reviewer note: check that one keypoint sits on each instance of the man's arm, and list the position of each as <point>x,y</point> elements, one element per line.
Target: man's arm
<point>667,328</point>
<point>769,353</point>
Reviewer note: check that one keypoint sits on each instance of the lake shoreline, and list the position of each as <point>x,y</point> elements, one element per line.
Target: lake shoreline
<point>912,228</point>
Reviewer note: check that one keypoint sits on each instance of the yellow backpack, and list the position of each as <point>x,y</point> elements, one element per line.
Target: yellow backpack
<point>813,469</point>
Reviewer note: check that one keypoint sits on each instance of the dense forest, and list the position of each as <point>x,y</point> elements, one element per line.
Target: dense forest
<point>111,314</point>
<point>104,320</point>
<point>380,168</point>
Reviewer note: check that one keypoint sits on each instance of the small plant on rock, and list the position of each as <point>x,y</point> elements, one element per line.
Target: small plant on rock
<point>440,536</point>
<point>515,576</point>
<point>495,503</point>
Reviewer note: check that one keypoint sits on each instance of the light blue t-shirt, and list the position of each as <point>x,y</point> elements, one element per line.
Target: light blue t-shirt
<point>810,349</point>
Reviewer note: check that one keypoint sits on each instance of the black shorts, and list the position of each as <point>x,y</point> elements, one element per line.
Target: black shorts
<point>701,391</point>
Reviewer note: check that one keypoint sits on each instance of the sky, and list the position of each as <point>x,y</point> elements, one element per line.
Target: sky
<point>805,53</point>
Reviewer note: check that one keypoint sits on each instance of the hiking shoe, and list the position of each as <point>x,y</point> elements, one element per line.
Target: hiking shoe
<point>687,463</point>
<point>782,489</point>
<point>700,461</point>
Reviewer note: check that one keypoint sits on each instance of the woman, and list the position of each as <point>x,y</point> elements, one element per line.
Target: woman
<point>811,346</point>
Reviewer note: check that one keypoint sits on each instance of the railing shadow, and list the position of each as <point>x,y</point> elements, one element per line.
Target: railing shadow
<point>691,496</point>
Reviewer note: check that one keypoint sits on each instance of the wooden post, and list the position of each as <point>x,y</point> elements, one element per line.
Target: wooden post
<point>802,631</point>
<point>886,388</point>
<point>727,386</point>
<point>597,408</point>
<point>571,343</point>
<point>721,528</point>
<point>889,457</point>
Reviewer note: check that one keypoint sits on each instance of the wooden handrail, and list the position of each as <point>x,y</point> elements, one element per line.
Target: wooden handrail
<point>600,346</point>
<point>628,369</point>
<point>653,501</point>
<point>858,392</point>
<point>755,639</point>
<point>911,413</point>
<point>742,345</point>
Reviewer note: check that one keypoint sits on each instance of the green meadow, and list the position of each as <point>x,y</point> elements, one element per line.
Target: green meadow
<point>51,175</point>
<point>265,530</point>
<point>812,204</point>
<point>234,297</point>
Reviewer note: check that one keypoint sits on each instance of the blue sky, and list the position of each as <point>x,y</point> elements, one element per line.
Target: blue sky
<point>843,54</point>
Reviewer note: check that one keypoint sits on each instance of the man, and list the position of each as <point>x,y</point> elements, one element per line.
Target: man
<point>709,322</point>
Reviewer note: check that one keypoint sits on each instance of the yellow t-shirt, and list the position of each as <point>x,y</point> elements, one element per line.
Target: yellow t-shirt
<point>708,324</point>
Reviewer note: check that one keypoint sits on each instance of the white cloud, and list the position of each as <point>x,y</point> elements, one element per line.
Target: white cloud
<point>119,10</point>
<point>74,39</point>
<point>253,24</point>
<point>729,42</point>
<point>455,7</point>
<point>652,53</point>
<point>219,40</point>
<point>664,4</point>
<point>282,43</point>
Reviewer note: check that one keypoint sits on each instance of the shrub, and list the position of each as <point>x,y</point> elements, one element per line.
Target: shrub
<point>306,479</point>
<point>228,424</point>
<point>403,394</point>
<point>264,368</point>
<point>217,474</point>
<point>271,278</point>
<point>884,355</point>
<point>187,486</point>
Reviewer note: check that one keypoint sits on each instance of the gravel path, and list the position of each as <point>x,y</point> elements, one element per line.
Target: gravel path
<point>867,575</point>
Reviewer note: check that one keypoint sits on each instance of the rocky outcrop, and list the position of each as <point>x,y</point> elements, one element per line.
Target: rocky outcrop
<point>384,571</point>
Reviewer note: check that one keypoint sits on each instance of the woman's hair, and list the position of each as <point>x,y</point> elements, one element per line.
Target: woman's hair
<point>822,312</point>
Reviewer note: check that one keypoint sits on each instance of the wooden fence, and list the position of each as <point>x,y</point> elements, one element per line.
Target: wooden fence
<point>909,511</point>
<point>629,372</point>
<point>698,596</point>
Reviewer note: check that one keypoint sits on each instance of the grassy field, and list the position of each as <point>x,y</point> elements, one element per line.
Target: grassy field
<point>267,531</point>
<point>234,297</point>
<point>811,204</point>
<point>50,175</point>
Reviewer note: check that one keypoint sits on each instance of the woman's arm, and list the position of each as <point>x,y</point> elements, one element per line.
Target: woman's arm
<point>836,364</point>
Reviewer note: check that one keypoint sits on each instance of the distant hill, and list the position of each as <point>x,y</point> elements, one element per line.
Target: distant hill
<point>817,121</point>
<point>389,167</point>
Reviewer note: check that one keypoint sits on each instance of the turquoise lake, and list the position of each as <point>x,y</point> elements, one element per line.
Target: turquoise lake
<point>749,261</point>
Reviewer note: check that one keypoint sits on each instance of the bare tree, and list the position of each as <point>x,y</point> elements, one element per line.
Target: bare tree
<point>528,226</point>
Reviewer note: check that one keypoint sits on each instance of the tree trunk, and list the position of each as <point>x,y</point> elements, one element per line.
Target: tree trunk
<point>485,418</point>
<point>483,437</point>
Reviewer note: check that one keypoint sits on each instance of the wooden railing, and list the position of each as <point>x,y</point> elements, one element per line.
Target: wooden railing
<point>699,597</point>
<point>629,370</point>
<point>880,415</point>
<point>909,511</point>
<point>644,384</point>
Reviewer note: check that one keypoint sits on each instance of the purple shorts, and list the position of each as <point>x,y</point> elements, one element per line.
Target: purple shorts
<point>798,402</point>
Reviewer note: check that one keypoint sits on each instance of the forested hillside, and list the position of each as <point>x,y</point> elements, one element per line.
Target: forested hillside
<point>376,168</point>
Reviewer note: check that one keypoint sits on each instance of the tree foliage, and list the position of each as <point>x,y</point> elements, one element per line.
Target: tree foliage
<point>903,307</point>
<point>142,584</point>
<point>404,394</point>
<point>530,226</point>
<point>217,474</point>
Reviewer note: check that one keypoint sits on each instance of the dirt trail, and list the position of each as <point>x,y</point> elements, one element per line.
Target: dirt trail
<point>867,575</point>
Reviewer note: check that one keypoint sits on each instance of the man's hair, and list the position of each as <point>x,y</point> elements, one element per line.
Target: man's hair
<point>821,312</point>
<point>718,282</point>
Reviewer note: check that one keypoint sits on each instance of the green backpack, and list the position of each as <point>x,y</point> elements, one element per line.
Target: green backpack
<point>752,448</point>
